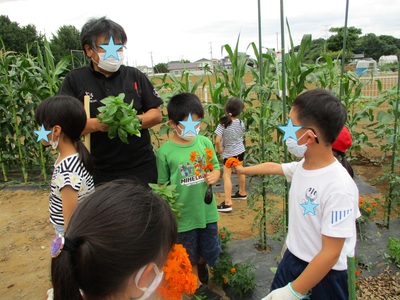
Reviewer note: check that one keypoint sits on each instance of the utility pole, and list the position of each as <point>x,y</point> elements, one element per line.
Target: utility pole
<point>152,65</point>
<point>211,57</point>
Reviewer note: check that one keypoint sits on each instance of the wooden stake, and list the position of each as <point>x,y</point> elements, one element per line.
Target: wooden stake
<point>86,104</point>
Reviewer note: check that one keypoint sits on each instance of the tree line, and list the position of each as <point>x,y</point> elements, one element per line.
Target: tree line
<point>66,42</point>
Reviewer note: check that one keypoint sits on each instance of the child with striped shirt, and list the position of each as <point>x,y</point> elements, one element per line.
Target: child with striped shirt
<point>229,143</point>
<point>63,119</point>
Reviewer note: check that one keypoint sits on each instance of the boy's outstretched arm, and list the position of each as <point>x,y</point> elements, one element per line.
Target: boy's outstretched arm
<point>267,168</point>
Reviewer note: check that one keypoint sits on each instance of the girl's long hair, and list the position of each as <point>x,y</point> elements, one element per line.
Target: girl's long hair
<point>67,112</point>
<point>233,108</point>
<point>115,231</point>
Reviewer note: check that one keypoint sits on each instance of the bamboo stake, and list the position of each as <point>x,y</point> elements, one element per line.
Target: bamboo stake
<point>86,104</point>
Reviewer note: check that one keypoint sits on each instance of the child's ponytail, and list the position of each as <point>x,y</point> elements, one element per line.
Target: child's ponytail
<point>65,285</point>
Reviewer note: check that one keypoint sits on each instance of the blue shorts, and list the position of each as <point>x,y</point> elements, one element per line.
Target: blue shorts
<point>201,243</point>
<point>332,287</point>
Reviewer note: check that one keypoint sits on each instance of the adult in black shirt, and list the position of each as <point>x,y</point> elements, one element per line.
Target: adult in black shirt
<point>106,76</point>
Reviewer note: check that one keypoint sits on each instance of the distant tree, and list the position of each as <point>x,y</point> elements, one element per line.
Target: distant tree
<point>19,39</point>
<point>67,38</point>
<point>335,42</point>
<point>390,40</point>
<point>161,68</point>
<point>373,46</point>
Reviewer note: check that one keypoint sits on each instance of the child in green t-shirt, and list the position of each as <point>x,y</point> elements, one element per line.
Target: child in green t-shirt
<point>188,161</point>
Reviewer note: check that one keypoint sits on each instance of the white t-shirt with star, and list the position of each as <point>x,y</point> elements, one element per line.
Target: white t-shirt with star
<point>321,202</point>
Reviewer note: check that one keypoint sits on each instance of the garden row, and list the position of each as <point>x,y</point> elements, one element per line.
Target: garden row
<point>26,80</point>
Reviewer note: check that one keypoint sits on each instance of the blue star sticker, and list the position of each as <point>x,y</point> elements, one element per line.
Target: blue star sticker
<point>309,207</point>
<point>289,130</point>
<point>111,49</point>
<point>42,134</point>
<point>190,125</point>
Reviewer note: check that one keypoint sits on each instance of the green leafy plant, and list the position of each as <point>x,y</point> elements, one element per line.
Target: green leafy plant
<point>238,278</point>
<point>120,117</point>
<point>168,193</point>
<point>368,210</point>
<point>394,249</point>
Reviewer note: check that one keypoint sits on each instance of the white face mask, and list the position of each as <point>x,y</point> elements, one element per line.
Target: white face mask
<point>153,285</point>
<point>111,64</point>
<point>188,136</point>
<point>52,142</point>
<point>294,148</point>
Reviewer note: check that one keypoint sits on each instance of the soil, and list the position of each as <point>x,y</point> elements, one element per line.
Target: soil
<point>26,234</point>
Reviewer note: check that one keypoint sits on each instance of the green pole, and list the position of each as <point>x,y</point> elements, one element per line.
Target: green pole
<point>396,117</point>
<point>284,104</point>
<point>260,65</point>
<point>344,49</point>
<point>351,277</point>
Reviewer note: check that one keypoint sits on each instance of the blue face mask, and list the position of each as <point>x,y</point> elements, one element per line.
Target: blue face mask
<point>294,148</point>
<point>188,136</point>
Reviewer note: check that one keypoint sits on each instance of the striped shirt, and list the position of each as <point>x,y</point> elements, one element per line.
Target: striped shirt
<point>70,171</point>
<point>232,138</point>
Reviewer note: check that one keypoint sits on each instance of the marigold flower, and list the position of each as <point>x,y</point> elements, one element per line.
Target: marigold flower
<point>209,153</point>
<point>208,167</point>
<point>225,281</point>
<point>232,162</point>
<point>178,278</point>
<point>361,200</point>
<point>368,209</point>
<point>374,204</point>
<point>360,205</point>
<point>193,156</point>
<point>358,272</point>
<point>233,270</point>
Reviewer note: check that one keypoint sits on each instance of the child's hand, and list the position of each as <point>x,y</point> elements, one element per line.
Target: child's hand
<point>237,169</point>
<point>220,149</point>
<point>212,177</point>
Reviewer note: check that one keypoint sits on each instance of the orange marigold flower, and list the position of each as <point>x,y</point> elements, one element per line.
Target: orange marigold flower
<point>208,167</point>
<point>358,272</point>
<point>361,200</point>
<point>193,156</point>
<point>232,162</point>
<point>368,209</point>
<point>233,270</point>
<point>374,204</point>
<point>209,153</point>
<point>225,281</point>
<point>178,278</point>
<point>360,205</point>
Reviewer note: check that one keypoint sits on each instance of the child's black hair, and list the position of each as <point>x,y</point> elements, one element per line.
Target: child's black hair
<point>233,108</point>
<point>180,105</point>
<point>323,109</point>
<point>67,112</point>
<point>119,228</point>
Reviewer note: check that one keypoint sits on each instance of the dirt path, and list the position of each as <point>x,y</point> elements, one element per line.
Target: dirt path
<point>26,234</point>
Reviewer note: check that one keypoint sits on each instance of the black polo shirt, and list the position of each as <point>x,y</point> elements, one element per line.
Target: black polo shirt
<point>112,157</point>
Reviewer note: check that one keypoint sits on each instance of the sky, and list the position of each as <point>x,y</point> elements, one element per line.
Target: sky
<point>160,31</point>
